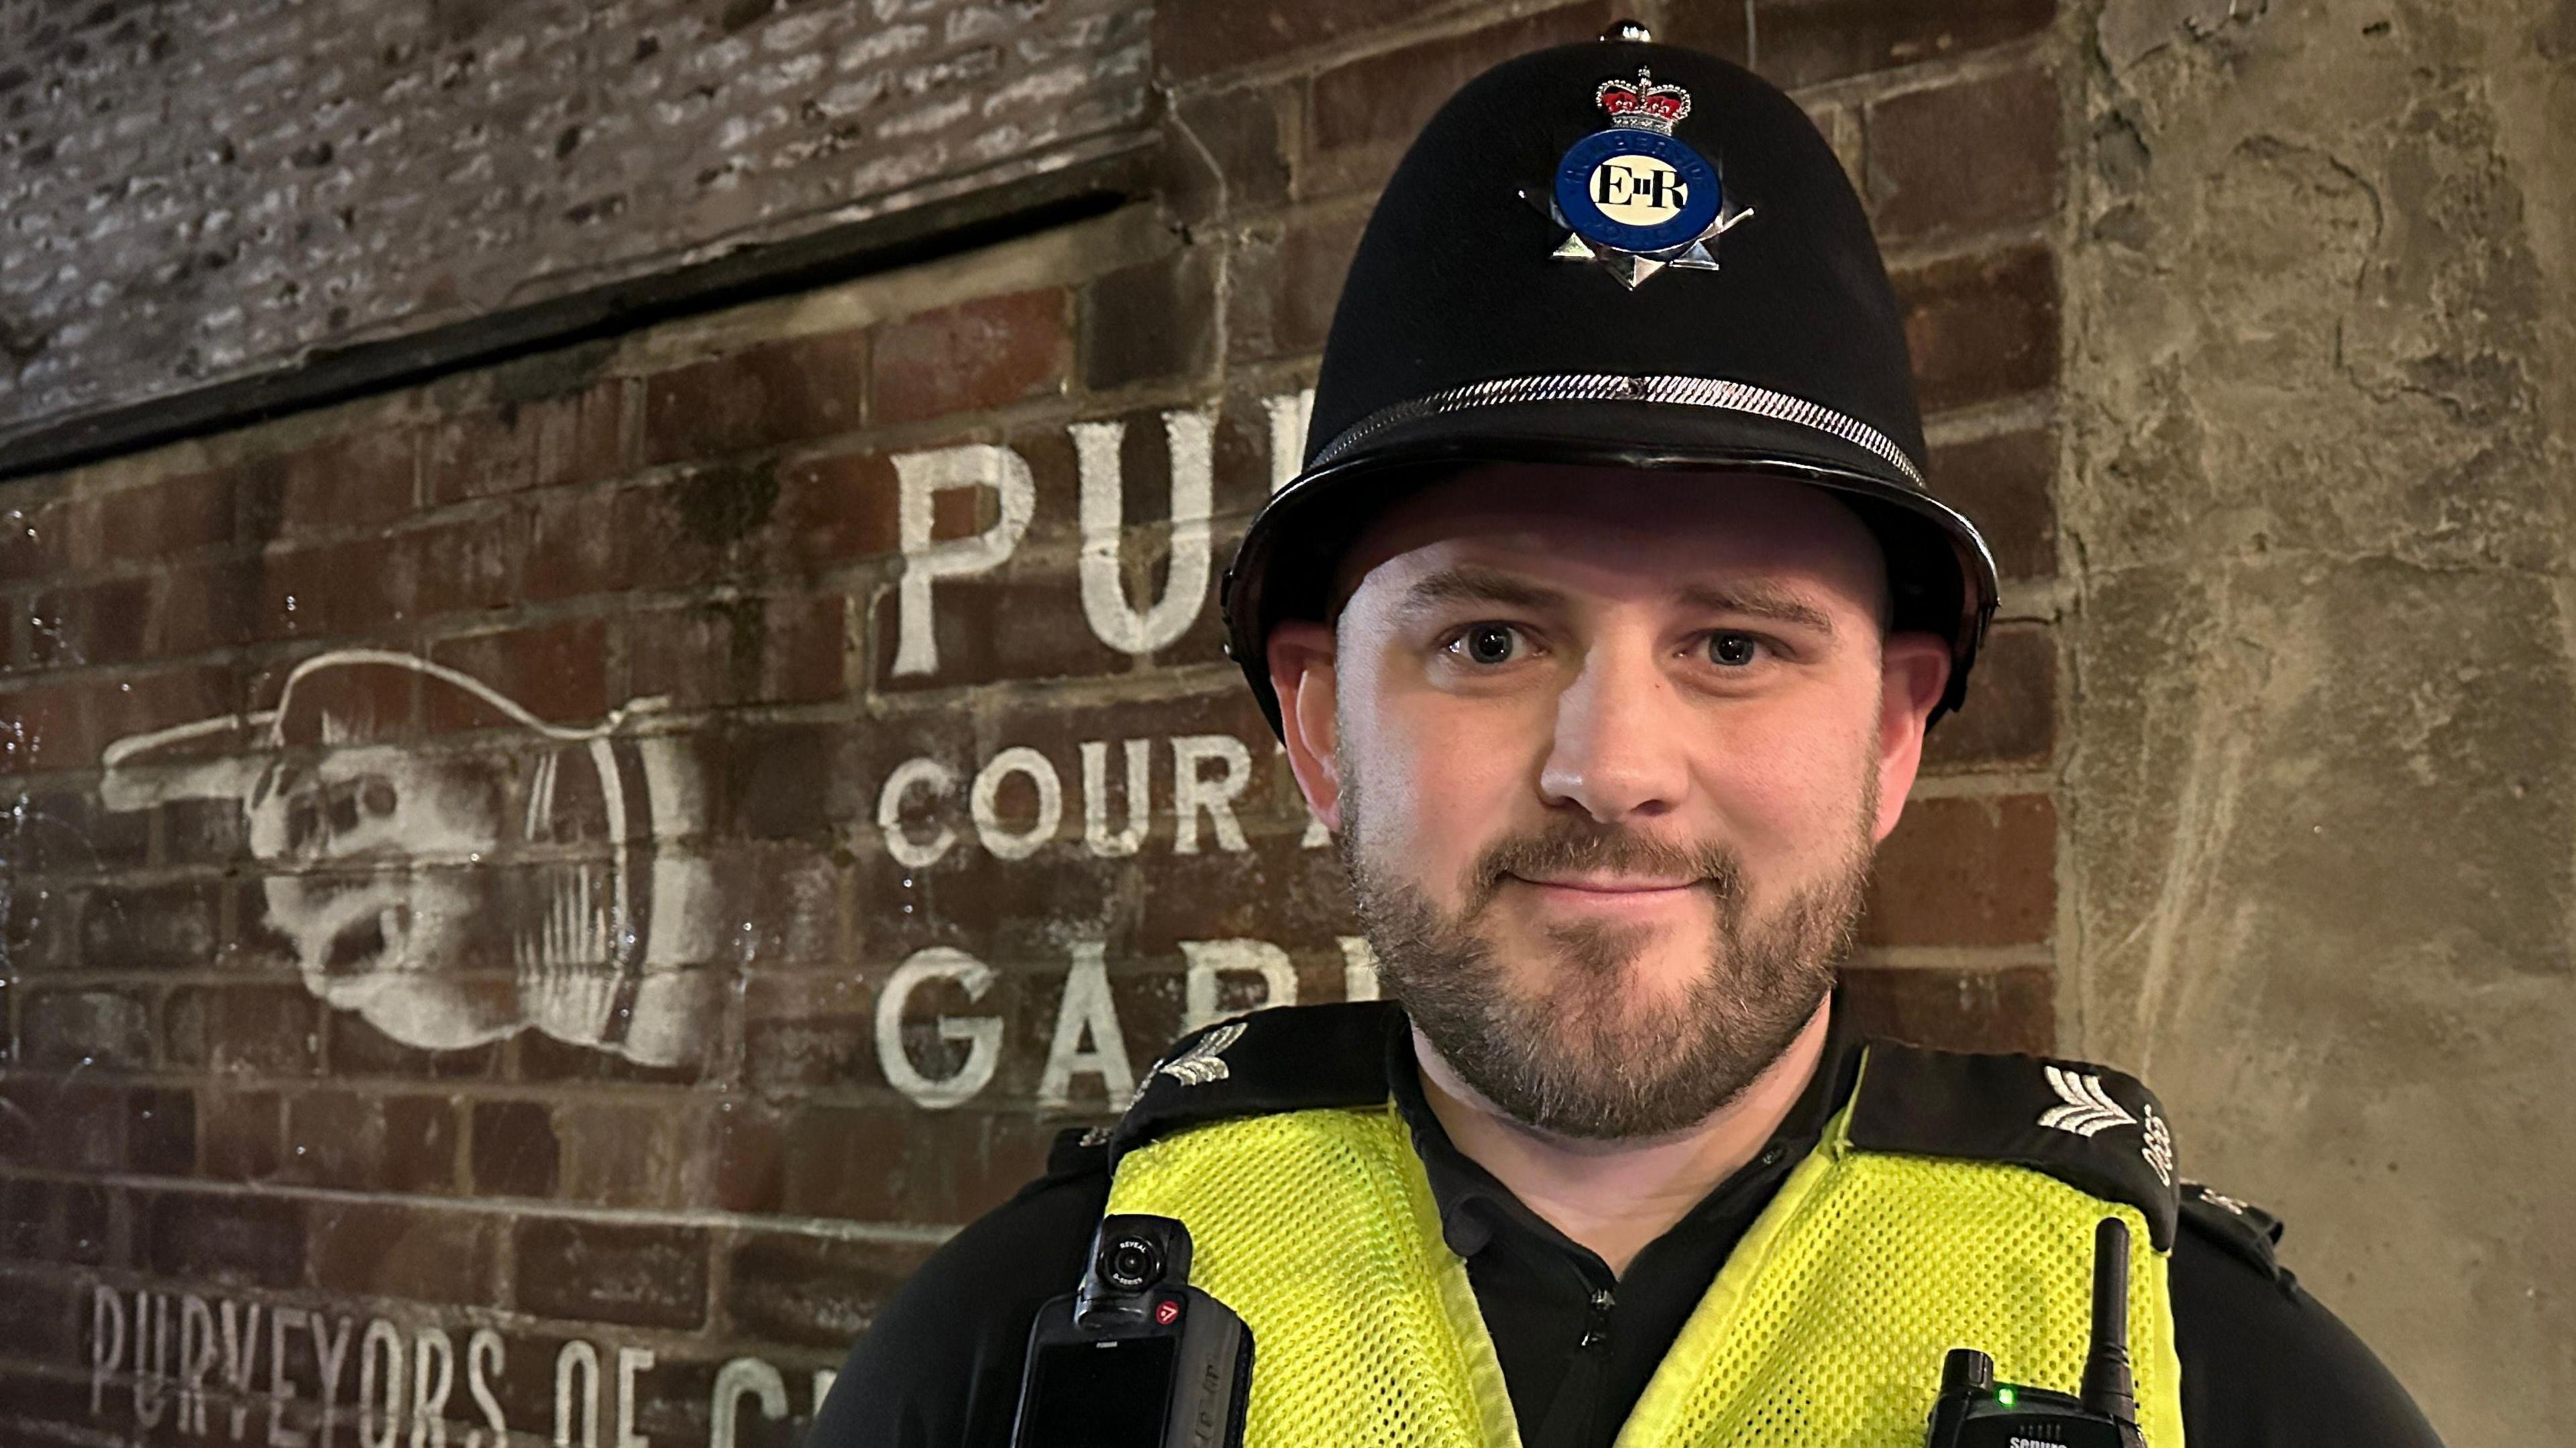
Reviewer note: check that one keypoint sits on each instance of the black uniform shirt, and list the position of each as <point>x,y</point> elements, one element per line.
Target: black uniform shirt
<point>1578,1344</point>
<point>2264,1365</point>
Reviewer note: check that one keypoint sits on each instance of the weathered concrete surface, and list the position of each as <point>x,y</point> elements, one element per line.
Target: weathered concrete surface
<point>2320,805</point>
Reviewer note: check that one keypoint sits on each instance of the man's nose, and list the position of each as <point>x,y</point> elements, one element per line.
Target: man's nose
<point>1619,751</point>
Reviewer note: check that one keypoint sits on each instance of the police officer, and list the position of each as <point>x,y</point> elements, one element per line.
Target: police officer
<point>1603,627</point>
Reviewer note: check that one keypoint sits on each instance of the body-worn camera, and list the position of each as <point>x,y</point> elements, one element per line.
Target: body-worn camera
<point>1136,1357</point>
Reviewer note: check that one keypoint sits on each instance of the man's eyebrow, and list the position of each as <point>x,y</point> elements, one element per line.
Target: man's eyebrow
<point>1757,600</point>
<point>1469,583</point>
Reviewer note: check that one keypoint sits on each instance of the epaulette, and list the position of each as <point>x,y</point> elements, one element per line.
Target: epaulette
<point>2091,1127</point>
<point>1286,1058</point>
<point>2244,1229</point>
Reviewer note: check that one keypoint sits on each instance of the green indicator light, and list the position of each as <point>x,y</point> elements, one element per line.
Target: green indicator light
<point>2004,1396</point>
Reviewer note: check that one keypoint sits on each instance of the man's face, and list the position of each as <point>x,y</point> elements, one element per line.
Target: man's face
<point>1606,754</point>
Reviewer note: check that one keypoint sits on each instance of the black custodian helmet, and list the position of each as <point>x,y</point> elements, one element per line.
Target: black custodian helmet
<point>1623,254</point>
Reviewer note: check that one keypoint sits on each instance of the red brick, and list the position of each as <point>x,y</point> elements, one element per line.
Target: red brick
<point>1193,38</point>
<point>781,782</point>
<point>29,1218</point>
<point>214,604</point>
<point>161,1131</point>
<point>238,1133</point>
<point>2010,717</point>
<point>249,1240</point>
<point>152,522</point>
<point>150,927</point>
<point>357,587</point>
<point>573,546</point>
<point>365,479</point>
<point>899,1163</point>
<point>57,1397</point>
<point>145,701</point>
<point>72,831</point>
<point>537,1057</point>
<point>103,1029</point>
<point>597,1272</point>
<point>40,536</point>
<point>347,702</point>
<point>746,651</point>
<point>787,391</point>
<point>2012,1008</point>
<point>369,1143</point>
<point>556,671</point>
<point>545,442</point>
<point>44,1221</point>
<point>1981,328</point>
<point>794,896</point>
<point>469,566</point>
<point>406,1252</point>
<point>46,727</point>
<point>259,1030</point>
<point>813,1291</point>
<point>810,1031</point>
<point>1967,871</point>
<point>974,355</point>
<point>46,1320</point>
<point>419,1144</point>
<point>1151,321</point>
<point>627,1154</point>
<point>837,510</point>
<point>2006,484</point>
<point>1802,42</point>
<point>63,726</point>
<point>358,1049</point>
<point>1025,622</point>
<point>17,642</point>
<point>704,526</point>
<point>65,1124</point>
<point>90,623</point>
<point>40,928</point>
<point>1385,99</point>
<point>1285,285</point>
<point>1977,155</point>
<point>515,1151</point>
<point>848,1161</point>
<point>750,1158</point>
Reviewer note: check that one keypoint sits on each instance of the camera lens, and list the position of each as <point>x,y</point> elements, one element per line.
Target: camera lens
<point>1131,1264</point>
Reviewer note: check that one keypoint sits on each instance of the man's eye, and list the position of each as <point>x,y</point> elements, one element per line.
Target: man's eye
<point>1732,650</point>
<point>1487,643</point>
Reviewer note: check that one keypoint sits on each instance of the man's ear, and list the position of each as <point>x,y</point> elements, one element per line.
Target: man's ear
<point>1915,669</point>
<point>1301,672</point>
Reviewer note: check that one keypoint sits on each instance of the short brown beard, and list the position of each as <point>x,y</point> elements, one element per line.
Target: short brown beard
<point>1568,1063</point>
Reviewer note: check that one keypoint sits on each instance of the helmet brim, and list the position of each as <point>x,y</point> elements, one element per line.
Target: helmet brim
<point>1941,575</point>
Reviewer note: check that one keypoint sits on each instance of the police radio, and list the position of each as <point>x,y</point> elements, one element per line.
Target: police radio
<point>1136,1358</point>
<point>1975,1411</point>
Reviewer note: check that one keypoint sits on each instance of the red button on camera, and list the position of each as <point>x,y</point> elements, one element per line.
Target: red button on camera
<point>1167,1311</point>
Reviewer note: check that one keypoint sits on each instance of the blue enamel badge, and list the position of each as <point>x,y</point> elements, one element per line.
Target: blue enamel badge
<point>1636,198</point>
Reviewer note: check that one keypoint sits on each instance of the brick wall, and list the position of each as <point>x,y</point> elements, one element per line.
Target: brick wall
<point>205,194</point>
<point>557,887</point>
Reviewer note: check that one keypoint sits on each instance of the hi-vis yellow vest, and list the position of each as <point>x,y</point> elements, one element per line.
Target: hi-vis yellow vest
<point>1827,1325</point>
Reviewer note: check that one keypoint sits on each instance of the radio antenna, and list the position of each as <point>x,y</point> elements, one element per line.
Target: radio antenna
<point>2107,1387</point>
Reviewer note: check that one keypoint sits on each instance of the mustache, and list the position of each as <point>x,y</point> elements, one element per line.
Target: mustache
<point>1580,845</point>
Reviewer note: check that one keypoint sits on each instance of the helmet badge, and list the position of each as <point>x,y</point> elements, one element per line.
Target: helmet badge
<point>1636,198</point>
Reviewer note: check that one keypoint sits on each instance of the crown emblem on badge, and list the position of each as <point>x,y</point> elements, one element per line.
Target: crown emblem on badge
<point>1634,197</point>
<point>1644,106</point>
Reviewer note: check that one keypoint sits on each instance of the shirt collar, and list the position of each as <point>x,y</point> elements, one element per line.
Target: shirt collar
<point>1470,1198</point>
